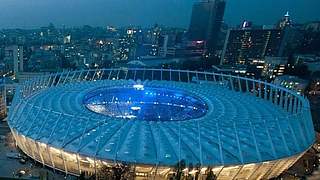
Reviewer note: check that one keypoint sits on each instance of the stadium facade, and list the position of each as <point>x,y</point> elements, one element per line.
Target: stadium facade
<point>152,119</point>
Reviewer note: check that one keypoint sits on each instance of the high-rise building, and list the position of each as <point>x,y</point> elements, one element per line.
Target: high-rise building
<point>14,59</point>
<point>3,104</point>
<point>285,22</point>
<point>242,45</point>
<point>206,20</point>
<point>264,50</point>
<point>67,39</point>
<point>311,38</point>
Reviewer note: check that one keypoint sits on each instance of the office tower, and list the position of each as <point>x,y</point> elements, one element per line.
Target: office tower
<point>264,51</point>
<point>243,45</point>
<point>206,20</point>
<point>246,25</point>
<point>67,39</point>
<point>14,59</point>
<point>163,42</point>
<point>285,22</point>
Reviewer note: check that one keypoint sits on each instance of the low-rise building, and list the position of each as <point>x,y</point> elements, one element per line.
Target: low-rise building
<point>292,82</point>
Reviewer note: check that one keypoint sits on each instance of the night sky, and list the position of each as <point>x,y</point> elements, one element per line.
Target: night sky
<point>35,13</point>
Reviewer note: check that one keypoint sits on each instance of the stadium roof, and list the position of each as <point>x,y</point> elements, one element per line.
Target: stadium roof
<point>238,128</point>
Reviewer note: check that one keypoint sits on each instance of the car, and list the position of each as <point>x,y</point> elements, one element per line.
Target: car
<point>13,155</point>
<point>20,173</point>
<point>22,161</point>
<point>2,137</point>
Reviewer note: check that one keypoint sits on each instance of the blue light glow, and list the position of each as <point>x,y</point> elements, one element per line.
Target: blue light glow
<point>145,103</point>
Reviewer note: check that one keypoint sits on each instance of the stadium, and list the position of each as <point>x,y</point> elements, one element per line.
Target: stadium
<point>154,119</point>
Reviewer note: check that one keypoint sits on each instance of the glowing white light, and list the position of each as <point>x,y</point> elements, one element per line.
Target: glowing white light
<point>135,108</point>
<point>130,116</point>
<point>138,86</point>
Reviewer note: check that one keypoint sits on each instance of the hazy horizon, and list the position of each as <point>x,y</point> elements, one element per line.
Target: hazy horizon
<point>37,13</point>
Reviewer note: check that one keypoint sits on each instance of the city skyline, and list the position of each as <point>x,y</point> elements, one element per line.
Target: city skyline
<point>35,13</point>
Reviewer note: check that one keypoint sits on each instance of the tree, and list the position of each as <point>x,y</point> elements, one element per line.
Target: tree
<point>179,168</point>
<point>190,168</point>
<point>105,172</point>
<point>82,176</point>
<point>316,75</point>
<point>116,172</point>
<point>123,172</point>
<point>300,70</point>
<point>210,174</point>
<point>196,176</point>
